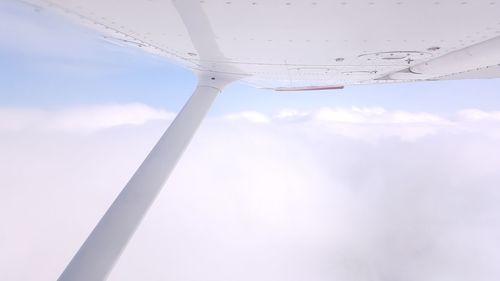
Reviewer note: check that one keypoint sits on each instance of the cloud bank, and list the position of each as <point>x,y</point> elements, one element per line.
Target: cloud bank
<point>329,194</point>
<point>82,119</point>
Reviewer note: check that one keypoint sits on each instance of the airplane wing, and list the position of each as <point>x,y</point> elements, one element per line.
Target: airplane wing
<point>287,45</point>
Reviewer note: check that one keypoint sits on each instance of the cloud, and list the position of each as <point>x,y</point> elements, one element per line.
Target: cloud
<point>374,123</point>
<point>296,198</point>
<point>249,116</point>
<point>479,115</point>
<point>82,119</point>
<point>376,115</point>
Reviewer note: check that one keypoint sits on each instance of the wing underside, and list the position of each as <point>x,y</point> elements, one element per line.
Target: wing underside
<point>294,44</point>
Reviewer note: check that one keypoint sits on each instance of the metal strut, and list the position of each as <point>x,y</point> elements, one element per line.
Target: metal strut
<point>99,253</point>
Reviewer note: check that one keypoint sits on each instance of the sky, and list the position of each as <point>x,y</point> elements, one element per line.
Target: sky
<point>386,182</point>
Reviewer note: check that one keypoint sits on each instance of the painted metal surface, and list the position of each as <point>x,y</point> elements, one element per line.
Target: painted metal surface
<point>103,247</point>
<point>286,43</point>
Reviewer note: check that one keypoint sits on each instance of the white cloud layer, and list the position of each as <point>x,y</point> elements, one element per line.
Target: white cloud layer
<point>330,194</point>
<point>374,123</point>
<point>82,119</point>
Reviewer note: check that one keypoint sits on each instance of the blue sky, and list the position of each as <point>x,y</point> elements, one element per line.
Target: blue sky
<point>50,63</point>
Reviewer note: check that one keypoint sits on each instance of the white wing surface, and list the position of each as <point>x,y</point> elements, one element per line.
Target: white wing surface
<point>290,44</point>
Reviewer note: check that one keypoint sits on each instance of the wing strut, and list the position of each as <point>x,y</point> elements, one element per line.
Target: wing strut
<point>97,256</point>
